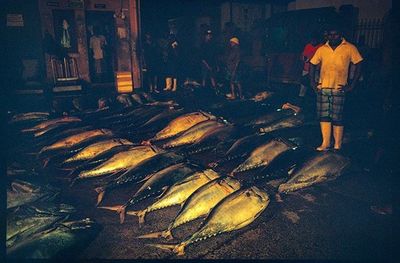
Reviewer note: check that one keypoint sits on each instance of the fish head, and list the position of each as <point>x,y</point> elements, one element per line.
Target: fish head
<point>211,174</point>
<point>254,191</point>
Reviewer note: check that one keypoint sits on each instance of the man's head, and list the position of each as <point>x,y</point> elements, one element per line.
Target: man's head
<point>334,35</point>
<point>234,41</point>
<point>208,35</point>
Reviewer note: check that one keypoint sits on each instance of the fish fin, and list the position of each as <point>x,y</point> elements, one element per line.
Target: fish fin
<point>101,191</point>
<point>168,247</point>
<point>65,168</point>
<point>122,212</point>
<point>73,181</point>
<point>45,162</point>
<point>163,190</point>
<point>112,208</point>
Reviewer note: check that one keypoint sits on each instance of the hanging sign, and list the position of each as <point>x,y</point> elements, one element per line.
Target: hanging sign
<point>100,6</point>
<point>53,3</point>
<point>15,20</point>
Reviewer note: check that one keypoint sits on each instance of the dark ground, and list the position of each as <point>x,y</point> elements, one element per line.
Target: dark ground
<point>331,221</point>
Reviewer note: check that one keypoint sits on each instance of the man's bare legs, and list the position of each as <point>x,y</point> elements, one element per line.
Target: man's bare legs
<point>326,128</point>
<point>338,136</point>
<point>233,95</point>
<point>239,87</point>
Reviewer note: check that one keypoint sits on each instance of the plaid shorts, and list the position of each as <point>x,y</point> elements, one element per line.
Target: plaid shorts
<point>330,105</point>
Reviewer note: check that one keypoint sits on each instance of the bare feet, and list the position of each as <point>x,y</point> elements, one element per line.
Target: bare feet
<point>322,148</point>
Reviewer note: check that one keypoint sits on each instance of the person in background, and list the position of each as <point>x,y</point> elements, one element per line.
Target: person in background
<point>232,62</point>
<point>151,63</point>
<point>335,57</point>
<point>172,64</point>
<point>307,54</point>
<point>208,59</point>
<point>97,45</point>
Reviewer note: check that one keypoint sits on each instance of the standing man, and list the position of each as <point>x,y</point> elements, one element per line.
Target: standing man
<point>335,58</point>
<point>232,62</point>
<point>97,45</point>
<point>151,63</point>
<point>172,64</point>
<point>208,60</point>
<point>308,53</point>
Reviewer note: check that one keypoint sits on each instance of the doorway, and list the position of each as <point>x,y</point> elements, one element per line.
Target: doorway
<point>100,27</point>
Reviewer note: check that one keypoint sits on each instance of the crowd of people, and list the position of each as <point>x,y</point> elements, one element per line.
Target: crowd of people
<point>165,66</point>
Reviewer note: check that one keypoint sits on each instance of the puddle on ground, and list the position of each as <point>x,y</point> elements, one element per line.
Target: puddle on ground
<point>309,198</point>
<point>292,216</point>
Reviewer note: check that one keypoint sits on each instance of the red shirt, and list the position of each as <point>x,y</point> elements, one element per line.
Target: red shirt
<point>308,52</point>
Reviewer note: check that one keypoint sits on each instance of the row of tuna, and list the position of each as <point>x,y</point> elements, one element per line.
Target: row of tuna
<point>153,146</point>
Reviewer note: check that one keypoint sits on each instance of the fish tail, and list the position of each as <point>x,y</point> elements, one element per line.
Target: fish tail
<point>112,208</point>
<point>170,247</point>
<point>101,191</point>
<point>140,214</point>
<point>45,162</point>
<point>121,209</point>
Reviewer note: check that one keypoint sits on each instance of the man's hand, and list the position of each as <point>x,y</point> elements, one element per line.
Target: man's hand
<point>314,86</point>
<point>346,88</point>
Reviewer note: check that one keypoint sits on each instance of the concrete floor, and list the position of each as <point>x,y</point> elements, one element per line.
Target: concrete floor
<point>331,221</point>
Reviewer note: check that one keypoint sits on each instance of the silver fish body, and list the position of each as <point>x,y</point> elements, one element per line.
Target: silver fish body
<point>263,155</point>
<point>322,167</point>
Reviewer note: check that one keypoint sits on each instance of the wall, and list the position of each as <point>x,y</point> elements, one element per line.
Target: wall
<point>367,8</point>
<point>23,42</point>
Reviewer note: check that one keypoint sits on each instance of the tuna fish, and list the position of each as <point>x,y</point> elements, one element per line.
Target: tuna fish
<point>234,212</point>
<point>22,193</point>
<point>181,124</point>
<point>322,167</point>
<point>76,139</point>
<point>121,161</point>
<point>100,158</point>
<point>45,124</point>
<point>200,204</point>
<point>194,134</point>
<point>62,241</point>
<point>31,219</point>
<point>140,172</point>
<point>155,185</point>
<point>263,155</point>
<point>97,148</point>
<point>27,116</point>
<point>290,122</point>
<point>270,118</point>
<point>178,193</point>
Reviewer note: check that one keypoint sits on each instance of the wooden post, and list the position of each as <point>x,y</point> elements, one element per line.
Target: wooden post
<point>134,38</point>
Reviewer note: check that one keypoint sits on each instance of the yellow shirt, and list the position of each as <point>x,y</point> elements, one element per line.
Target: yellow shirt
<point>335,63</point>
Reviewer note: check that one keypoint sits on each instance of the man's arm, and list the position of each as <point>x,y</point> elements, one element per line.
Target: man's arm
<point>313,84</point>
<point>357,74</point>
